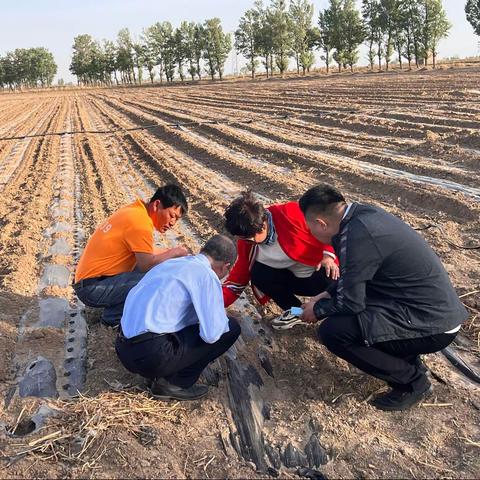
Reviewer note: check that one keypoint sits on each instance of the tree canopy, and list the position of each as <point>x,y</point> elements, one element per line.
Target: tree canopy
<point>27,67</point>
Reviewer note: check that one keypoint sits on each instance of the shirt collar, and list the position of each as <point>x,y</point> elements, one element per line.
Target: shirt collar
<point>270,238</point>
<point>349,211</point>
<point>349,206</point>
<point>203,258</point>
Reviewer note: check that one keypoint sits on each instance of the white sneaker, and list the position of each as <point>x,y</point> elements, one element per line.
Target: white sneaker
<point>286,321</point>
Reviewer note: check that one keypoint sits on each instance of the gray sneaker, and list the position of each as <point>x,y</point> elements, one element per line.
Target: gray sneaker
<point>286,321</point>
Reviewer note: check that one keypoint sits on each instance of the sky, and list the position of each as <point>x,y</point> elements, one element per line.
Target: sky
<point>54,23</point>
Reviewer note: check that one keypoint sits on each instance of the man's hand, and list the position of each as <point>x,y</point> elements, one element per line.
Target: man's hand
<point>308,316</point>
<point>145,261</point>
<point>177,252</point>
<point>331,268</point>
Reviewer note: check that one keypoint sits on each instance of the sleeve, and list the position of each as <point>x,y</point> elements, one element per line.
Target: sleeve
<point>328,250</point>
<point>359,261</point>
<point>207,300</point>
<point>139,240</point>
<point>239,276</point>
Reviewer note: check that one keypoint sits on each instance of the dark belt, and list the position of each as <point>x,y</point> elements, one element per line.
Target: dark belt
<point>139,338</point>
<point>89,281</point>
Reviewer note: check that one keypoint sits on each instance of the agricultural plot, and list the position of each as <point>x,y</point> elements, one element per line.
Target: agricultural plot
<point>407,142</point>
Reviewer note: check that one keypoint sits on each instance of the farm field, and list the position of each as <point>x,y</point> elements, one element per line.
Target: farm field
<point>408,142</point>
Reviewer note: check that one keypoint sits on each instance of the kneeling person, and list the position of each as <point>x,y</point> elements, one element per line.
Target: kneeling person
<point>174,322</point>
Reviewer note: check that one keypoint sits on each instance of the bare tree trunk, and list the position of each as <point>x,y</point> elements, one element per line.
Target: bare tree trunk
<point>161,72</point>
<point>417,54</point>
<point>199,70</point>
<point>192,70</point>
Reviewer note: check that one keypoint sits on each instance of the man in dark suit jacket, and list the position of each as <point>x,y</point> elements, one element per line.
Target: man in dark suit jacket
<point>393,301</point>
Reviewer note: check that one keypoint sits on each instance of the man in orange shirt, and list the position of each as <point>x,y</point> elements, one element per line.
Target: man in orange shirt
<point>121,251</point>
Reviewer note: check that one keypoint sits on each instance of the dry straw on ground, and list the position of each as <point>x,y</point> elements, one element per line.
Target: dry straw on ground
<point>78,432</point>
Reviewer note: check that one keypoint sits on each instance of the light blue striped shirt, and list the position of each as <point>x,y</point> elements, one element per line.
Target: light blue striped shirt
<point>173,295</point>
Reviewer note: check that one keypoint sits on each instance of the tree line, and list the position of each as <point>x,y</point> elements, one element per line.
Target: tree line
<point>27,67</point>
<point>273,35</point>
<point>269,36</point>
<point>188,51</point>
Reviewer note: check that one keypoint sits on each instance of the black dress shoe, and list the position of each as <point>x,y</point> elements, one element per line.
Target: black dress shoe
<point>397,400</point>
<point>162,390</point>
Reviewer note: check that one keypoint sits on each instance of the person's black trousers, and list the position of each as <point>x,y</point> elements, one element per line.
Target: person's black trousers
<point>282,286</point>
<point>178,357</point>
<point>397,362</point>
<point>109,293</point>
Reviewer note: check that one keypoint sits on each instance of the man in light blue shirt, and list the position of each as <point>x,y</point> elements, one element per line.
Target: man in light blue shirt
<point>174,322</point>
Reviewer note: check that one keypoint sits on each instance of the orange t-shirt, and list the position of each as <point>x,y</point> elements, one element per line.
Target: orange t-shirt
<point>112,247</point>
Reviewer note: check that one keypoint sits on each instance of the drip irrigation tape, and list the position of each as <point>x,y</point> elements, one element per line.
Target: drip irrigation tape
<point>461,365</point>
<point>131,129</point>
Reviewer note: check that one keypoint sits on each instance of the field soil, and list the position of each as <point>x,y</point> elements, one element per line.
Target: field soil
<point>408,142</point>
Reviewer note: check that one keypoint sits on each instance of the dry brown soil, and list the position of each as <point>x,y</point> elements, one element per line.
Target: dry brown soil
<point>408,142</point>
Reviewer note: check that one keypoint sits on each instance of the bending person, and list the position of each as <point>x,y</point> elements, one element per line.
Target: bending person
<point>121,250</point>
<point>393,302</point>
<point>278,255</point>
<point>174,323</point>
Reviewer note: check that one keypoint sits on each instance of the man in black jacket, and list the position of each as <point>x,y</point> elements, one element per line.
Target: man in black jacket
<point>393,302</point>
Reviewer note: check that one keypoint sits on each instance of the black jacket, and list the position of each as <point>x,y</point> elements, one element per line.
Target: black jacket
<point>391,279</point>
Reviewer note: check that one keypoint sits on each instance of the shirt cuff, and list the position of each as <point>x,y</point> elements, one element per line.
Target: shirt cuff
<point>330,254</point>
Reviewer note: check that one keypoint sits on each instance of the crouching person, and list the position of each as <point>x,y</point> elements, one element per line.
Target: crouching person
<point>393,301</point>
<point>121,250</point>
<point>277,255</point>
<point>174,322</point>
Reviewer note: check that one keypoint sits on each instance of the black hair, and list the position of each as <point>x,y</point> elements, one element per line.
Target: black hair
<point>321,199</point>
<point>221,249</point>
<point>171,196</point>
<point>245,216</point>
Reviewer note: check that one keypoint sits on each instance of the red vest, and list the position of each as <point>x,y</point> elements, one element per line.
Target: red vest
<point>295,239</point>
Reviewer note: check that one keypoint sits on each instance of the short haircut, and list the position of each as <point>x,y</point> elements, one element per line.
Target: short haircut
<point>171,196</point>
<point>245,216</point>
<point>321,200</point>
<point>221,249</point>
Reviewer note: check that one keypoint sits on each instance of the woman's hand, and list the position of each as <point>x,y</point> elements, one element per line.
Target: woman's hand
<point>331,268</point>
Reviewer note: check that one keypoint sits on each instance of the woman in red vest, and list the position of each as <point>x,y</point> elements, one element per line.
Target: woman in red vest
<point>277,255</point>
